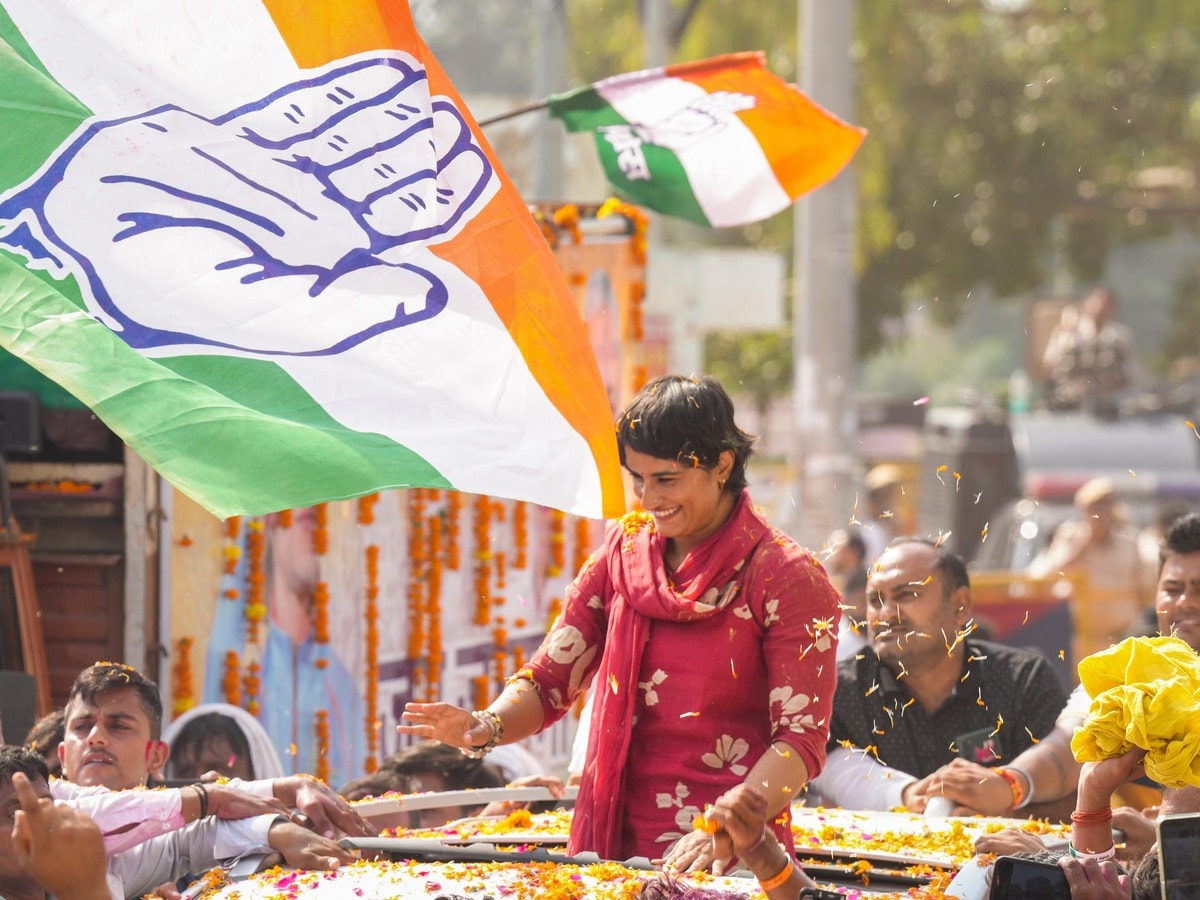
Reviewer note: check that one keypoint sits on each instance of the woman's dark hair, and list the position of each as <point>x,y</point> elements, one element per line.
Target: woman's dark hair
<point>202,730</point>
<point>685,419</point>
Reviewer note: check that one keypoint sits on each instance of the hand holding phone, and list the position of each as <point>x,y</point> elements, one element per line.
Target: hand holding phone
<point>1014,878</point>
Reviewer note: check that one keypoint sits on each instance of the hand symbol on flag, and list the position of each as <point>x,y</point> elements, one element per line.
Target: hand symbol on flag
<point>296,225</point>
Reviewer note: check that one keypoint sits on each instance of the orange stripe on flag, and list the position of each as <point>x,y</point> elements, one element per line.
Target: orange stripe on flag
<point>804,144</point>
<point>502,250</point>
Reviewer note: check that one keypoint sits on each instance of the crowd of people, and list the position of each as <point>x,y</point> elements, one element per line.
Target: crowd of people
<point>730,672</point>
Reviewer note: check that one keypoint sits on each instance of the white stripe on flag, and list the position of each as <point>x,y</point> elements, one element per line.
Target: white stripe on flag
<point>123,57</point>
<point>729,173</point>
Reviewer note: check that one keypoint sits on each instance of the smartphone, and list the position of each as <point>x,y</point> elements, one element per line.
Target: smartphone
<point>1014,878</point>
<point>820,894</point>
<point>1179,856</point>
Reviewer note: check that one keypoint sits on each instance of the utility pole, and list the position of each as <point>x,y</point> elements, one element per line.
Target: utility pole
<point>825,315</point>
<point>550,76</point>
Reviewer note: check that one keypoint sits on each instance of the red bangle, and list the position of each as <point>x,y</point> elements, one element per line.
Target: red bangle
<point>1014,785</point>
<point>771,883</point>
<point>1092,817</point>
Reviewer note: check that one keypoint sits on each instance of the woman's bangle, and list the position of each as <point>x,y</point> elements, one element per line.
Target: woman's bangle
<point>771,883</point>
<point>1101,856</point>
<point>1092,817</point>
<point>202,796</point>
<point>496,724</point>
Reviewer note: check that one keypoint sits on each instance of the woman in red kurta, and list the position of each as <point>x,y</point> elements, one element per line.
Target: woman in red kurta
<point>710,636</point>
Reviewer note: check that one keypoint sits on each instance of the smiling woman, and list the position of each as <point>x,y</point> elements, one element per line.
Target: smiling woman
<point>688,620</point>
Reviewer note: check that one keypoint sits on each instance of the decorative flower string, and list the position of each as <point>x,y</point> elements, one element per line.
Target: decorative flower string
<point>256,579</point>
<point>483,560</point>
<point>285,517</point>
<point>252,684</point>
<point>418,547</point>
<point>452,543</point>
<point>520,524</point>
<point>635,325</point>
<point>231,551</point>
<point>230,681</point>
<point>320,598</point>
<point>554,568</point>
<point>183,695</point>
<point>583,542</point>
<point>434,647</point>
<point>566,217</point>
<point>371,694</point>
<point>366,509</point>
<point>322,732</point>
<point>481,691</point>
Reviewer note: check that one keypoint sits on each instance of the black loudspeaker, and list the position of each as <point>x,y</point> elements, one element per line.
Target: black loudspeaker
<point>20,428</point>
<point>18,704</point>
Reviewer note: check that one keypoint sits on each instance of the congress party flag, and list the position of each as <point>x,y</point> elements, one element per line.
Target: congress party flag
<point>267,244</point>
<point>720,142</point>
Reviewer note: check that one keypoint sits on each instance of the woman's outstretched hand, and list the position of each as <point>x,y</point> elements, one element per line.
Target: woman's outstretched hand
<point>444,722</point>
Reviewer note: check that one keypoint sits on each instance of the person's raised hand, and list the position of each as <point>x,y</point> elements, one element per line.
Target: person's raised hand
<point>62,848</point>
<point>444,722</point>
<point>1098,780</point>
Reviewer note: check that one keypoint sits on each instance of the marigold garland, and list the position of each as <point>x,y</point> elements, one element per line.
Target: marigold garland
<point>366,509</point>
<point>322,732</point>
<point>483,560</point>
<point>555,566</point>
<point>321,529</point>
<point>481,691</point>
<point>230,681</point>
<point>371,654</point>
<point>583,542</point>
<point>256,579</point>
<point>434,647</point>
<point>252,685</point>
<point>453,515</point>
<point>520,524</point>
<point>183,695</point>
<point>566,217</point>
<point>231,551</point>
<point>417,548</point>
<point>285,517</point>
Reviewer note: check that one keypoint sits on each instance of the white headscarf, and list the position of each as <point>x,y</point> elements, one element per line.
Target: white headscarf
<point>263,758</point>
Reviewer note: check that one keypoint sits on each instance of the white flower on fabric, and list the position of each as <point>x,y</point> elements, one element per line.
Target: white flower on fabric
<point>791,713</point>
<point>727,753</point>
<point>743,612</point>
<point>772,612</point>
<point>651,698</point>
<point>665,801</point>
<point>595,602</point>
<point>566,644</point>
<point>822,631</point>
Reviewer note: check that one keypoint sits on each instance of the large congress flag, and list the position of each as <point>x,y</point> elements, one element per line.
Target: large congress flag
<point>720,142</point>
<point>266,243</point>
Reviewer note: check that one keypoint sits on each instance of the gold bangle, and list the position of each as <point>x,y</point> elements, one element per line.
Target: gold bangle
<point>771,883</point>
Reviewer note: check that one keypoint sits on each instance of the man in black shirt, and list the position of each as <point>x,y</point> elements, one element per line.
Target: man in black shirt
<point>925,692</point>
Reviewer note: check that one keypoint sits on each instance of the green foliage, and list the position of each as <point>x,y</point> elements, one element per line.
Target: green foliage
<point>756,365</point>
<point>988,128</point>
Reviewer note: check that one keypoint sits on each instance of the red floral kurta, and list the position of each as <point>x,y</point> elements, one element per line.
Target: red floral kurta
<point>737,652</point>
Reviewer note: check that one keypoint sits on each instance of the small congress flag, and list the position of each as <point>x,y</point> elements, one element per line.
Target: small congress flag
<point>265,242</point>
<point>720,142</point>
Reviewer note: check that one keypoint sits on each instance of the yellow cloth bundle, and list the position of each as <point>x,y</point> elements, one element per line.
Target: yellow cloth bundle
<point>1145,693</point>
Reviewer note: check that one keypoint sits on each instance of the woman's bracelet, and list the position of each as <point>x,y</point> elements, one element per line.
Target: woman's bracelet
<point>771,883</point>
<point>496,724</point>
<point>1092,817</point>
<point>202,796</point>
<point>1101,856</point>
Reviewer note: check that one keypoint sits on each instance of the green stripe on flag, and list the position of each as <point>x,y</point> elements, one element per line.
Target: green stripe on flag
<point>251,441</point>
<point>583,110</point>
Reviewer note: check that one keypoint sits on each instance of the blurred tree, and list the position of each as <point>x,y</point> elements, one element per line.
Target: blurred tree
<point>756,365</point>
<point>994,125</point>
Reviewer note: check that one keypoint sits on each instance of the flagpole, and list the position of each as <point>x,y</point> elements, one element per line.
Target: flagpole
<point>513,113</point>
